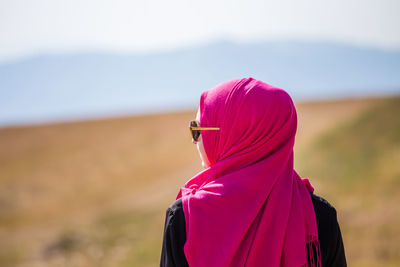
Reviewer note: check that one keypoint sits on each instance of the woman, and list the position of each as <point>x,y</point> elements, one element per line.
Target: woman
<point>249,207</point>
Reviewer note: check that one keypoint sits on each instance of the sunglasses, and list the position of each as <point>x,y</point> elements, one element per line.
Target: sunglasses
<point>195,129</point>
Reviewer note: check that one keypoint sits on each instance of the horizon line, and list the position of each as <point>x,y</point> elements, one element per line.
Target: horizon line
<point>188,46</point>
<point>110,115</point>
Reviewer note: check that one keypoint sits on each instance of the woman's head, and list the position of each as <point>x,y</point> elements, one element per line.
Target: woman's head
<point>254,119</point>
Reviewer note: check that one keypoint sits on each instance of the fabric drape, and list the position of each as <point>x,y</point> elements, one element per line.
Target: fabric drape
<point>251,176</point>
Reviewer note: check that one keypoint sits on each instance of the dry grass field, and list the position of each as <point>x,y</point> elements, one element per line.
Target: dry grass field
<point>94,193</point>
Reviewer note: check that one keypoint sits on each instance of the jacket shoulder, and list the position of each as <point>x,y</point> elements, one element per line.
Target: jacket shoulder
<point>176,206</point>
<point>321,204</point>
<point>330,237</point>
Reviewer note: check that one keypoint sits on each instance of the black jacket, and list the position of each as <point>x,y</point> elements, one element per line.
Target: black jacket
<point>330,238</point>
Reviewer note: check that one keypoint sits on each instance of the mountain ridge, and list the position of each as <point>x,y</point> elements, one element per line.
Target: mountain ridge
<point>62,86</point>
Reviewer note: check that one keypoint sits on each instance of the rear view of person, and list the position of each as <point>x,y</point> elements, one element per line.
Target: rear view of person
<point>249,207</point>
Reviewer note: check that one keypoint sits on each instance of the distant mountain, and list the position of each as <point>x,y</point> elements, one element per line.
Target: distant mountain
<point>71,86</point>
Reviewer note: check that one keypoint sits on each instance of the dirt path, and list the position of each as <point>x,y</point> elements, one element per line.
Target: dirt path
<point>315,118</point>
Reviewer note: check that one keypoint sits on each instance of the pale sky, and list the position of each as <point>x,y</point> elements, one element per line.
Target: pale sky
<point>29,27</point>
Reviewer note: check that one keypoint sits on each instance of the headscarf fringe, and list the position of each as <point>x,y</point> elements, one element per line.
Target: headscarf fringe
<point>313,252</point>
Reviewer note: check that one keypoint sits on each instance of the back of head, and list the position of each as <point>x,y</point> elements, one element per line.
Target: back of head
<point>255,119</point>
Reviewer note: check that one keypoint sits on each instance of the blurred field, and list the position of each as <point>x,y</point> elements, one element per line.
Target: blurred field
<point>94,193</point>
<point>357,165</point>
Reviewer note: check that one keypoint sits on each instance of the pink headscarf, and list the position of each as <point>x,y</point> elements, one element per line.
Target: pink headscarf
<point>250,208</point>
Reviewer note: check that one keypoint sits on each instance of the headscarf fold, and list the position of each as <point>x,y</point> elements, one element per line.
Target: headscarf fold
<point>250,207</point>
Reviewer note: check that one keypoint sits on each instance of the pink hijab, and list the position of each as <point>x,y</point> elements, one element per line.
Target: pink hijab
<point>250,208</point>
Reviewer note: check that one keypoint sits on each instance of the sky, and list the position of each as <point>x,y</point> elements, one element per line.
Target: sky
<point>63,26</point>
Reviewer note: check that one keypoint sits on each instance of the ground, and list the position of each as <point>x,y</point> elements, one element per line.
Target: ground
<point>94,193</point>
